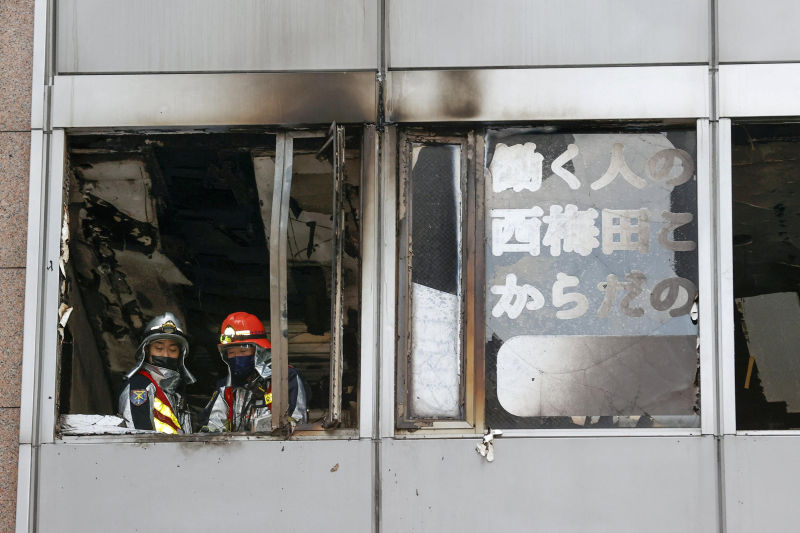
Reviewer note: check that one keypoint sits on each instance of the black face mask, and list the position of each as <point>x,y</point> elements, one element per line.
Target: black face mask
<point>241,367</point>
<point>170,363</point>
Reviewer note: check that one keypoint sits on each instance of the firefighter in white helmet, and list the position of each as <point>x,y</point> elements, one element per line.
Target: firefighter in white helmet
<point>243,402</point>
<point>151,396</point>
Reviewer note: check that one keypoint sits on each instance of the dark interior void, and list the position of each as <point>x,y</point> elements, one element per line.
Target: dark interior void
<point>766,269</point>
<point>180,222</point>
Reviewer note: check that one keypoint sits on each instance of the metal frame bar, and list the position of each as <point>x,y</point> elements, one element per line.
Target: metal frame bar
<point>40,342</point>
<point>337,138</point>
<point>478,378</point>
<point>403,323</point>
<point>370,277</point>
<point>279,322</point>
<point>388,281</point>
<point>277,275</point>
<point>759,90</point>
<point>50,345</point>
<point>726,375</point>
<point>33,274</point>
<point>536,94</point>
<point>230,99</point>
<point>471,282</point>
<point>706,279</point>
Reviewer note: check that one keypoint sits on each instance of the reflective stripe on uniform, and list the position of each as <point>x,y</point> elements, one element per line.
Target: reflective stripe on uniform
<point>164,420</point>
<point>165,410</point>
<point>162,427</point>
<point>228,394</point>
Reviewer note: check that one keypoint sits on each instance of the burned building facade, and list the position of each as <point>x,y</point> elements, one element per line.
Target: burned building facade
<point>533,260</point>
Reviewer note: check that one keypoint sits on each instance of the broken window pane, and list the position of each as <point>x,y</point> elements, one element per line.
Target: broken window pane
<point>436,284</point>
<point>766,275</point>
<point>591,272</point>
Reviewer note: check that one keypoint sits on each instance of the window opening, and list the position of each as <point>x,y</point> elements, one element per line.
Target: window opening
<point>582,248</point>
<point>323,274</point>
<point>179,222</point>
<point>432,375</point>
<point>766,280</point>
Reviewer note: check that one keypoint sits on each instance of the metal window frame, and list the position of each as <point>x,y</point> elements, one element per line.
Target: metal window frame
<point>726,330</point>
<point>41,354</point>
<point>726,377</point>
<point>471,235</point>
<point>41,345</point>
<point>707,209</point>
<point>279,268</point>
<point>707,283</point>
<point>369,372</point>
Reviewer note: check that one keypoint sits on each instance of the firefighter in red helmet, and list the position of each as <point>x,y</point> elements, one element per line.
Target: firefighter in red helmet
<point>243,402</point>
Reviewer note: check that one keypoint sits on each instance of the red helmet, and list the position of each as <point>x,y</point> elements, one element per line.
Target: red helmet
<point>242,328</point>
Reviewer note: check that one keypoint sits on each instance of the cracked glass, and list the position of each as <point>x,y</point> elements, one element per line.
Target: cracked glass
<point>436,286</point>
<point>591,274</point>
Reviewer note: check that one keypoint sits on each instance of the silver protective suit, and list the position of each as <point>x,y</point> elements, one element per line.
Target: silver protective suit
<point>169,380</point>
<point>240,409</point>
<point>168,327</point>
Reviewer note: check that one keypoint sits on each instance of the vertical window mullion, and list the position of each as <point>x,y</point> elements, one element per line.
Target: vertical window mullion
<point>725,330</point>
<point>279,324</point>
<point>336,362</point>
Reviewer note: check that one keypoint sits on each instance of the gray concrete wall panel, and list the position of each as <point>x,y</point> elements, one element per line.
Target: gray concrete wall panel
<point>475,33</point>
<point>548,94</point>
<point>758,31</point>
<point>214,99</point>
<point>551,484</point>
<point>95,36</point>
<point>761,478</point>
<point>253,485</point>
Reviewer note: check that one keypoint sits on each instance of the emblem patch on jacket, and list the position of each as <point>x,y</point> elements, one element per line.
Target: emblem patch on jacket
<point>138,396</point>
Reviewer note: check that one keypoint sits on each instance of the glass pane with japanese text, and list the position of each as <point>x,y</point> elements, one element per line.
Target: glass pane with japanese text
<point>591,278</point>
